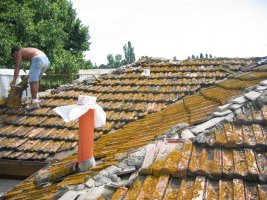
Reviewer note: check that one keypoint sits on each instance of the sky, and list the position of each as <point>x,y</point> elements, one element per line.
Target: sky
<point>168,28</point>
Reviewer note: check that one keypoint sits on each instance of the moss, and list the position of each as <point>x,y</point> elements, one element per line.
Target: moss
<point>211,191</point>
<point>251,162</point>
<point>157,167</point>
<point>238,187</point>
<point>161,187</point>
<point>228,165</point>
<point>240,165</point>
<point>225,190</point>
<point>148,187</point>
<point>134,190</point>
<point>184,161</point>
<point>194,161</point>
<point>185,191</point>
<point>120,193</point>
<point>220,137</point>
<point>198,192</point>
<point>215,165</point>
<point>258,134</point>
<point>171,163</point>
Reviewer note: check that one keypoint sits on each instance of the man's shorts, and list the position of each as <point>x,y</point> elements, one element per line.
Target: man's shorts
<point>38,66</point>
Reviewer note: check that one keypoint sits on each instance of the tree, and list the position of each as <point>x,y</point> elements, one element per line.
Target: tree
<point>118,61</point>
<point>210,56</point>
<point>193,56</point>
<point>114,62</point>
<point>111,61</point>
<point>49,25</point>
<point>201,56</point>
<point>129,53</point>
<point>206,56</point>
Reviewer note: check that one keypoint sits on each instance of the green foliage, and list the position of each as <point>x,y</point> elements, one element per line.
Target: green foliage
<point>129,53</point>
<point>201,56</point>
<point>49,25</point>
<point>114,62</point>
<point>117,60</point>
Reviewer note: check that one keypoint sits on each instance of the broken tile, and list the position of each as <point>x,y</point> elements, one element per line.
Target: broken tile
<point>252,95</point>
<point>186,134</point>
<point>206,125</point>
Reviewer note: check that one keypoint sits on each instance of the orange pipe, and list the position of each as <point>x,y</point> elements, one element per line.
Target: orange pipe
<point>86,136</point>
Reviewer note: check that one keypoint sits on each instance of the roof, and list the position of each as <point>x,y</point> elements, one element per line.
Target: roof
<point>227,161</point>
<point>128,100</point>
<point>125,95</point>
<point>223,160</point>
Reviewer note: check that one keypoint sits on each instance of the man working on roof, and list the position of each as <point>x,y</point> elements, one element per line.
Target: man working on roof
<point>39,64</point>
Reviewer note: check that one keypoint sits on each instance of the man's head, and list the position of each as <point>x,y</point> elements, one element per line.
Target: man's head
<point>14,50</point>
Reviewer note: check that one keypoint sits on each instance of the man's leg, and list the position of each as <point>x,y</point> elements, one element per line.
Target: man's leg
<point>34,89</point>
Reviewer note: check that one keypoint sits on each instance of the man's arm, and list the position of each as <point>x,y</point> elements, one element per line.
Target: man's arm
<point>17,68</point>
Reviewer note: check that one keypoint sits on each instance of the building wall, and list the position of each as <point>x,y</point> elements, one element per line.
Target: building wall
<point>84,74</point>
<point>6,76</point>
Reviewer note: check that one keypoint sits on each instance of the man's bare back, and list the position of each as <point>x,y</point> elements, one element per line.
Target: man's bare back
<point>29,53</point>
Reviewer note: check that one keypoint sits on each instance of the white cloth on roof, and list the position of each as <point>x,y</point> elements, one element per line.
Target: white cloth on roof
<point>73,112</point>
